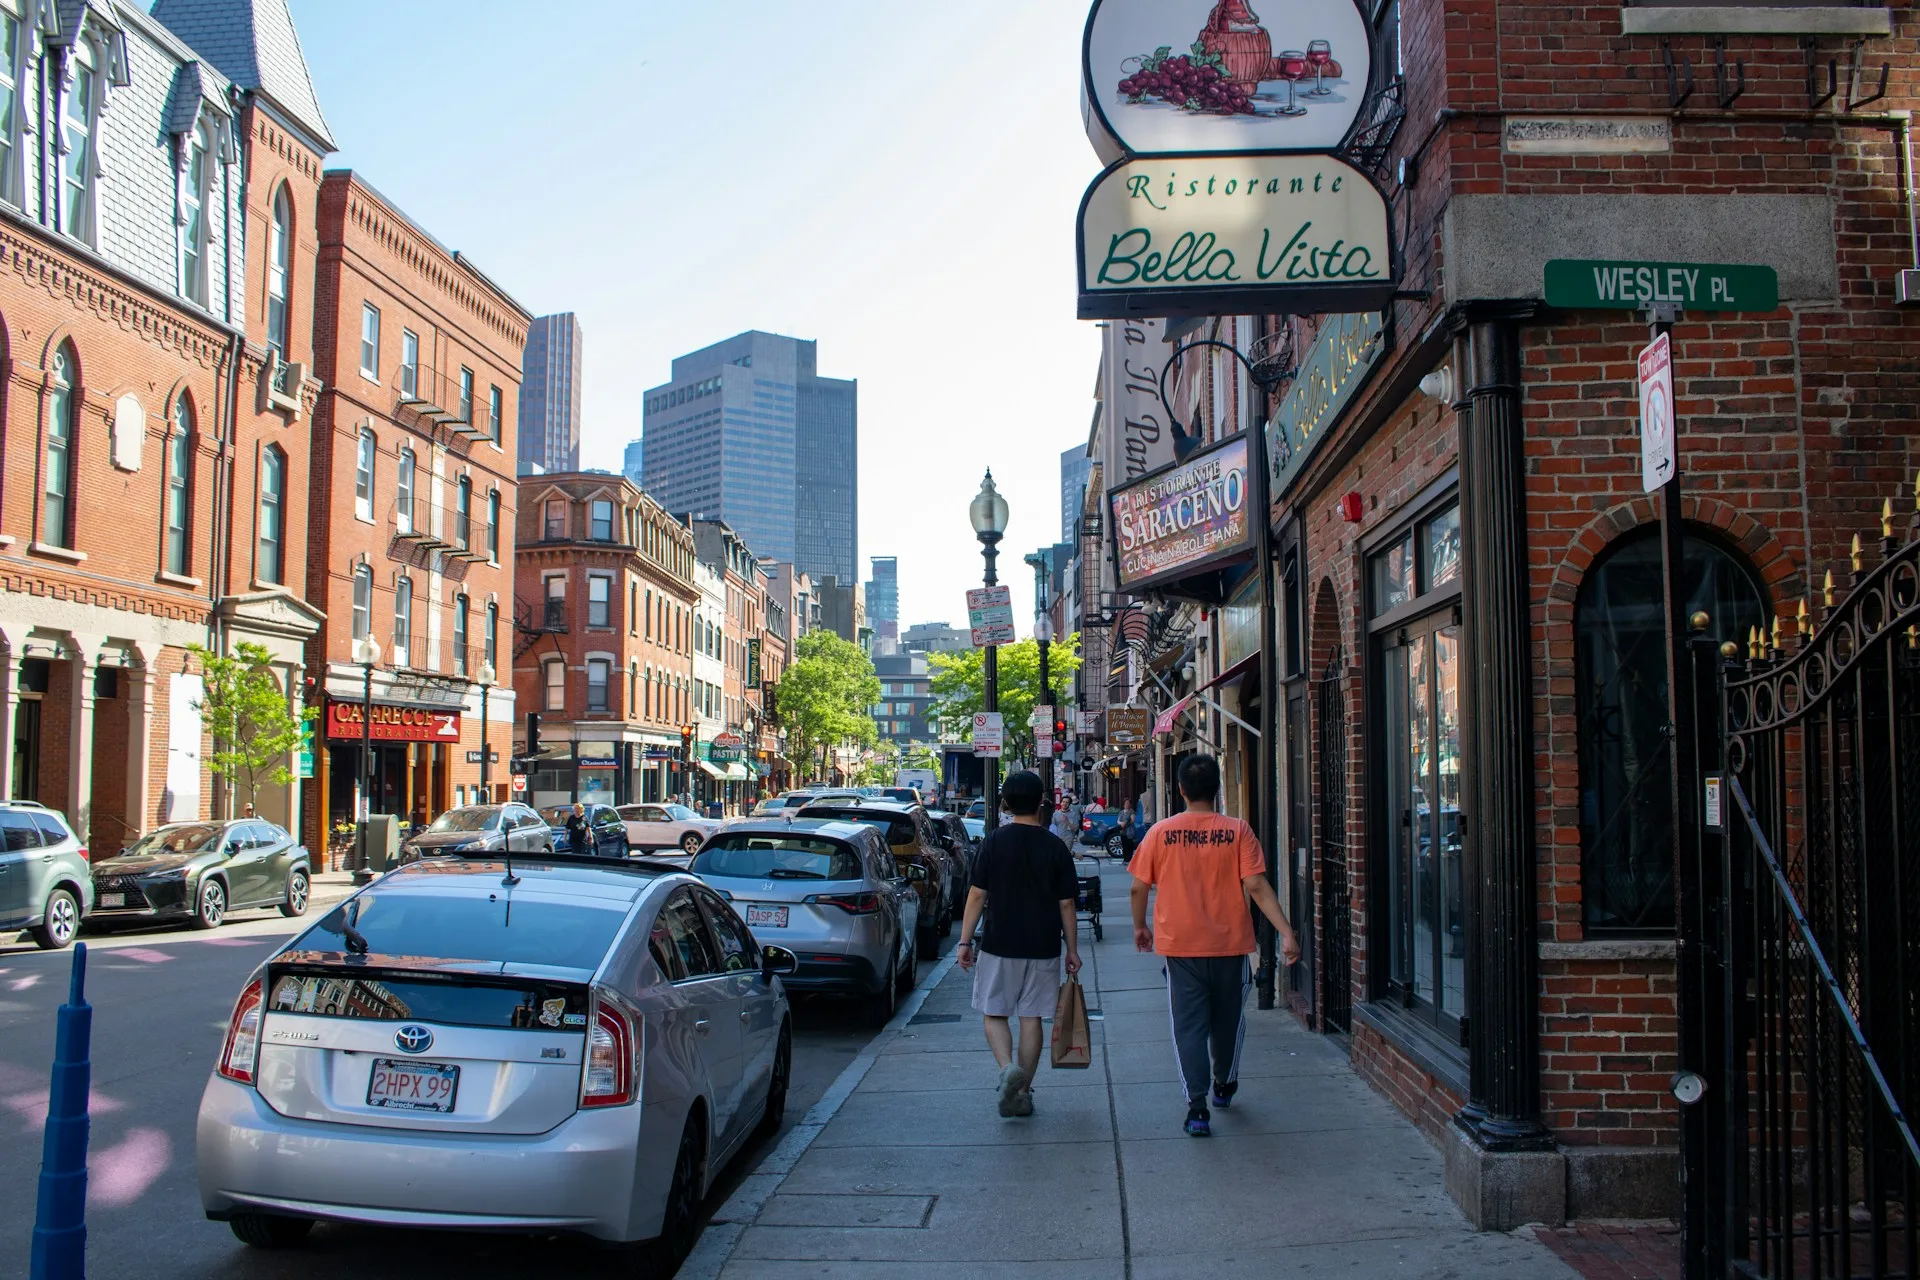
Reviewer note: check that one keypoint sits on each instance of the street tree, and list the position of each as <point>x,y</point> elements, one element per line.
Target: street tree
<point>252,721</point>
<point>960,688</point>
<point>825,698</point>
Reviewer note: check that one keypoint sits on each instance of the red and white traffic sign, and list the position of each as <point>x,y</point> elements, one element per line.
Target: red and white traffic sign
<point>519,782</point>
<point>988,733</point>
<point>1658,453</point>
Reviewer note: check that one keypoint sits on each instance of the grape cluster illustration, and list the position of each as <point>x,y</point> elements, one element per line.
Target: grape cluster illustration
<point>1195,81</point>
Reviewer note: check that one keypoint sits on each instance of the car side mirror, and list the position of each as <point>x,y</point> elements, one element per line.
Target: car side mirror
<point>916,872</point>
<point>777,960</point>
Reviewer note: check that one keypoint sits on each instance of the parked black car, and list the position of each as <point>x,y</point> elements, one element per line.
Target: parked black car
<point>201,871</point>
<point>480,828</point>
<point>606,830</point>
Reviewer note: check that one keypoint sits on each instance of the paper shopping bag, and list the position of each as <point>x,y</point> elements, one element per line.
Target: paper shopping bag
<point>1072,1035</point>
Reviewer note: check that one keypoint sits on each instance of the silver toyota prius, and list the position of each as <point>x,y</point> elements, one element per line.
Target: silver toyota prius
<point>554,1045</point>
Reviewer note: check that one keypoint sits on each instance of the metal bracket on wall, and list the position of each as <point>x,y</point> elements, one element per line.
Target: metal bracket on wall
<point>1676,96</point>
<point>1859,60</point>
<point>1816,99</point>
<point>1727,88</point>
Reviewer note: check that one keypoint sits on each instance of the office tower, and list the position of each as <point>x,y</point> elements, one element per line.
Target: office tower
<point>883,604</point>
<point>746,431</point>
<point>632,466</point>
<point>550,395</point>
<point>1076,468</point>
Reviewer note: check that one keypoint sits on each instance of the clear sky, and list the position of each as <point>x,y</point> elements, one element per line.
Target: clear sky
<point>898,181</point>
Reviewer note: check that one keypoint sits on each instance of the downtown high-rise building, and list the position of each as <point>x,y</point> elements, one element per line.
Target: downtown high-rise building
<point>633,465</point>
<point>1076,468</point>
<point>746,431</point>
<point>550,395</point>
<point>883,604</point>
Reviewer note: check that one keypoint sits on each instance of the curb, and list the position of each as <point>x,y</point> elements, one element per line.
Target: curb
<point>730,1222</point>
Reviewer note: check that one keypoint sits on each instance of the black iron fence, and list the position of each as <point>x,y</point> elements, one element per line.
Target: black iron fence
<point>1815,1164</point>
<point>1336,905</point>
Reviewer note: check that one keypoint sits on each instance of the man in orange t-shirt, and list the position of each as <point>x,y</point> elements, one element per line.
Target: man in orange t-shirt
<point>1202,868</point>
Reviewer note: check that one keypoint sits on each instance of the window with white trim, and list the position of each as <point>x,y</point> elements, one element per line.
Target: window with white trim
<point>598,671</point>
<point>196,175</point>
<point>369,341</point>
<point>11,116</point>
<point>79,121</point>
<point>279,270</point>
<point>362,601</point>
<point>409,363</point>
<point>179,500</point>
<point>599,600</point>
<point>403,491</point>
<point>493,526</point>
<point>56,524</point>
<point>463,513</point>
<point>460,608</point>
<point>273,515</point>
<point>402,621</point>
<point>600,527</point>
<point>493,635</point>
<point>466,394</point>
<point>363,476</point>
<point>556,672</point>
<point>495,411</point>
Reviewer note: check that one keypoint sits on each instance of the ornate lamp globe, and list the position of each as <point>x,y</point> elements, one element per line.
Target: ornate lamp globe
<point>988,511</point>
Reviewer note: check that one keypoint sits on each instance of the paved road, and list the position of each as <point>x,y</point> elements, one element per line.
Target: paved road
<point>161,1001</point>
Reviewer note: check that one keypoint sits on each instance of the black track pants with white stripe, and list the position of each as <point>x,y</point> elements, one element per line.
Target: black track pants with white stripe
<point>1207,1001</point>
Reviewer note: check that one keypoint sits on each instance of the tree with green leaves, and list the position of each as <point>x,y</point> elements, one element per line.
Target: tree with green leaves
<point>960,688</point>
<point>250,718</point>
<point>825,698</point>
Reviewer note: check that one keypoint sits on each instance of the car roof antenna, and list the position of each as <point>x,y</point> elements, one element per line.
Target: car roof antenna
<point>510,879</point>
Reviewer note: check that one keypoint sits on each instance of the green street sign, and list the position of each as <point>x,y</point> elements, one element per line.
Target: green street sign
<point>1634,286</point>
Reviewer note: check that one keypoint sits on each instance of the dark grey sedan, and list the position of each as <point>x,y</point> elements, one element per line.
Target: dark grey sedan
<point>480,828</point>
<point>200,871</point>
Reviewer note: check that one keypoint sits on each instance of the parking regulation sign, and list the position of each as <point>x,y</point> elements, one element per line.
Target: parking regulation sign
<point>1657,450</point>
<point>987,733</point>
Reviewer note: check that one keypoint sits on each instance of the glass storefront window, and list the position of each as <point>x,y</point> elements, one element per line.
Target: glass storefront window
<point>1393,576</point>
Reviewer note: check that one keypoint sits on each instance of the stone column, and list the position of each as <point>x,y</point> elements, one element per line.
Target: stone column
<point>1501,1165</point>
<point>9,709</point>
<point>84,654</point>
<point>139,692</point>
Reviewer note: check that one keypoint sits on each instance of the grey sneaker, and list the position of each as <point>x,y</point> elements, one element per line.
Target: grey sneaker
<point>1013,1081</point>
<point>1023,1103</point>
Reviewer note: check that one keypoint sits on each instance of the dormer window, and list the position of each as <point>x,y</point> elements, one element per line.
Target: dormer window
<point>79,117</point>
<point>195,174</point>
<point>10,115</point>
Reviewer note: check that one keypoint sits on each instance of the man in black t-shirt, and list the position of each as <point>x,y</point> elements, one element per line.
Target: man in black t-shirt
<point>1023,881</point>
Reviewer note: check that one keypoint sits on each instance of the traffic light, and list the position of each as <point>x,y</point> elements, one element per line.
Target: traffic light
<point>1059,729</point>
<point>533,733</point>
<point>686,743</point>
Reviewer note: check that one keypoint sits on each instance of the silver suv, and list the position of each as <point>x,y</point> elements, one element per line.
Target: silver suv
<point>46,887</point>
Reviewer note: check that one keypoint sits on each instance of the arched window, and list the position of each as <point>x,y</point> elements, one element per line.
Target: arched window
<point>493,635</point>
<point>179,497</point>
<point>1626,836</point>
<point>463,513</point>
<point>460,635</point>
<point>363,475</point>
<point>273,515</point>
<point>402,621</point>
<point>403,492</point>
<point>362,601</point>
<point>56,525</point>
<point>279,270</point>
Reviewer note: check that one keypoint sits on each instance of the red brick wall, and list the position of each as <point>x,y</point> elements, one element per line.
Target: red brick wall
<point>1419,1094</point>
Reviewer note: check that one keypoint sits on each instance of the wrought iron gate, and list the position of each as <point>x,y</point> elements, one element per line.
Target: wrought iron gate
<point>1815,935</point>
<point>1336,907</point>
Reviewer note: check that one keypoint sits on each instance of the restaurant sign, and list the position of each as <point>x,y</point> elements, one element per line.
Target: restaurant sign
<point>391,723</point>
<point>727,747</point>
<point>1332,370</point>
<point>1233,235</point>
<point>1183,519</point>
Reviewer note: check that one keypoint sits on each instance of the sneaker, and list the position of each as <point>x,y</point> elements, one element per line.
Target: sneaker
<point>1198,1122</point>
<point>1012,1082</point>
<point>1223,1093</point>
<point>1023,1103</point>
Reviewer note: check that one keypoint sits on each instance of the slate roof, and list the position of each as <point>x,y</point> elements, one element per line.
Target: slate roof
<point>252,43</point>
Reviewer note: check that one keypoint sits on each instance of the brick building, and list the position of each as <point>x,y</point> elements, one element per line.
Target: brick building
<point>1472,712</point>
<point>155,402</point>
<point>739,652</point>
<point>605,602</point>
<point>412,469</point>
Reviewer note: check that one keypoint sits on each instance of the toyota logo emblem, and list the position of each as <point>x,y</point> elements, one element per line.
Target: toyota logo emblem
<point>413,1038</point>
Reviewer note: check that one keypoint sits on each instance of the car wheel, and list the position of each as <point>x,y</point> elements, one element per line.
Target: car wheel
<point>776,1110</point>
<point>690,843</point>
<point>680,1226</point>
<point>299,888</point>
<point>266,1231</point>
<point>903,981</point>
<point>211,907</point>
<point>1116,847</point>
<point>927,941</point>
<point>882,1003</point>
<point>60,923</point>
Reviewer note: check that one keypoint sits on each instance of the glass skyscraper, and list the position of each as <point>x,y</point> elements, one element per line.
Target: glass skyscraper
<point>550,394</point>
<point>883,603</point>
<point>749,433</point>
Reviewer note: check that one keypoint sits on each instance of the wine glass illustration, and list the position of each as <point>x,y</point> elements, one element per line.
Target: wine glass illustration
<point>1319,54</point>
<point>1293,69</point>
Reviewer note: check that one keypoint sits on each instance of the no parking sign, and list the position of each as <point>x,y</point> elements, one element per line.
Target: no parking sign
<point>1657,451</point>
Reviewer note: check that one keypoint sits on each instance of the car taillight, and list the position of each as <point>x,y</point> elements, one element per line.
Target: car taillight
<point>854,904</point>
<point>82,851</point>
<point>1086,824</point>
<point>238,1055</point>
<point>609,1075</point>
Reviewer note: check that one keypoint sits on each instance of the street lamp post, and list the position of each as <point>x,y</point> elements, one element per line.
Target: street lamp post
<point>988,513</point>
<point>486,674</point>
<point>366,652</point>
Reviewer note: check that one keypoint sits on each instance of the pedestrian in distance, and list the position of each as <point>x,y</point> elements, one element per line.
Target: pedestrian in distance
<point>577,829</point>
<point>1023,885</point>
<point>1201,869</point>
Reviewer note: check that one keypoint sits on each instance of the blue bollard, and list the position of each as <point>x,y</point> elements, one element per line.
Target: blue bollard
<point>60,1225</point>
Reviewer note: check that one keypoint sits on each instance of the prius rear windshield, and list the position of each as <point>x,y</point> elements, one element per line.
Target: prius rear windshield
<point>746,856</point>
<point>498,927</point>
<point>462,1001</point>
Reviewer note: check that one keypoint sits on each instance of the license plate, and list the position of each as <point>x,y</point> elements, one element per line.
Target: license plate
<point>401,1085</point>
<point>112,900</point>
<point>772,917</point>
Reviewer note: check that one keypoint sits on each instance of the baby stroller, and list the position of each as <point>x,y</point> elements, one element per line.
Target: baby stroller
<point>1087,903</point>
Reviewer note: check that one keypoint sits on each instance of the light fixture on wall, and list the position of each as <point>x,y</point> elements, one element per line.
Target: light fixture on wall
<point>1438,385</point>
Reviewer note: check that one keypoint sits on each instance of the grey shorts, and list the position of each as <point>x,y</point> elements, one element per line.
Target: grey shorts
<point>1006,987</point>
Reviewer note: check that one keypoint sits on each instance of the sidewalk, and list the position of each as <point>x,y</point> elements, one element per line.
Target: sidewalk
<point>1311,1173</point>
